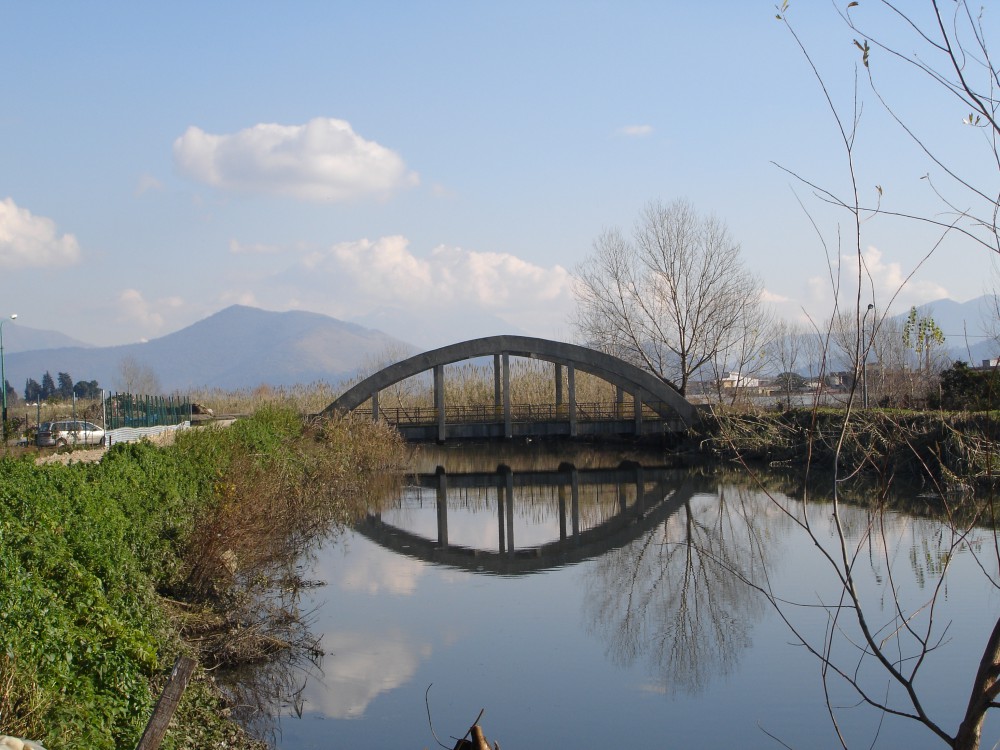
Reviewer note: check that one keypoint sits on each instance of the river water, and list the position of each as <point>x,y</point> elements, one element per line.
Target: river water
<point>598,599</point>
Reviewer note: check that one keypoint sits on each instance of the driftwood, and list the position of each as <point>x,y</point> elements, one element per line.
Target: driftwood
<point>167,703</point>
<point>477,742</point>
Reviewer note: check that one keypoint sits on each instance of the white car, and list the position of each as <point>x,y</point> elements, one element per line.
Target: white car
<point>69,432</point>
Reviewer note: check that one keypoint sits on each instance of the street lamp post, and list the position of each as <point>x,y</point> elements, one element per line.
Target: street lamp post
<point>864,360</point>
<point>3,381</point>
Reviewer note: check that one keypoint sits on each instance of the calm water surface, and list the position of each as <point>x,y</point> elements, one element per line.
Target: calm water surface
<point>600,605</point>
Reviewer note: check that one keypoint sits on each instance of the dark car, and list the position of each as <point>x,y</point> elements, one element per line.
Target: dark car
<point>69,432</point>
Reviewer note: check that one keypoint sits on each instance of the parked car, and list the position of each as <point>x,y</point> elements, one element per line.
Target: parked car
<point>69,432</point>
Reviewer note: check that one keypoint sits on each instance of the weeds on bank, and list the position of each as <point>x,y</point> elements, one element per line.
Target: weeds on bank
<point>955,450</point>
<point>90,552</point>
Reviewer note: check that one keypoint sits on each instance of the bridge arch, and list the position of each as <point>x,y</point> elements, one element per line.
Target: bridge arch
<point>644,387</point>
<point>659,494</point>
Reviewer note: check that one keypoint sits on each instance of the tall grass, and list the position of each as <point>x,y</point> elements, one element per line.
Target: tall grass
<point>473,384</point>
<point>467,383</point>
<point>309,398</point>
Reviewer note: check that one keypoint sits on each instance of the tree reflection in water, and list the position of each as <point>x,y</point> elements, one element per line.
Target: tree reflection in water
<point>676,599</point>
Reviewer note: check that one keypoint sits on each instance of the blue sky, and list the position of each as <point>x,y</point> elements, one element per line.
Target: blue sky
<point>436,169</point>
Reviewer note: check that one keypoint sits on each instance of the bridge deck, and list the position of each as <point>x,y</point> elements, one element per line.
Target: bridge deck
<point>527,420</point>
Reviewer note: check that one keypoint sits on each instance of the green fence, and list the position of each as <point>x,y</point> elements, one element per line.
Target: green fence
<point>130,410</point>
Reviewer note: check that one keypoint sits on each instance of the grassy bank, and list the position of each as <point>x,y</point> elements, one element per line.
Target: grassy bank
<point>943,448</point>
<point>98,560</point>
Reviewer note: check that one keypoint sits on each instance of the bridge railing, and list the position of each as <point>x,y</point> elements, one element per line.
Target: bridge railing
<point>519,413</point>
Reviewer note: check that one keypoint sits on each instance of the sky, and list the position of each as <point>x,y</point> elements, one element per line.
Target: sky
<point>439,169</point>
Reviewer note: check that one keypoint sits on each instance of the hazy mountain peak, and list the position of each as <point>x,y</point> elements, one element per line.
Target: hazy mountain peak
<point>237,347</point>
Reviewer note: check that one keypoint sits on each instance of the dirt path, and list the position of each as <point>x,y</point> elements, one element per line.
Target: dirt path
<point>82,455</point>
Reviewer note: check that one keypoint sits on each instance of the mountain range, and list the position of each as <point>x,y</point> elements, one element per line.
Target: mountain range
<point>244,347</point>
<point>968,327</point>
<point>237,347</point>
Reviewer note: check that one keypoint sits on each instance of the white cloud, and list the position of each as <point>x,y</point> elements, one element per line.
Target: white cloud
<point>636,131</point>
<point>361,666</point>
<point>378,574</point>
<point>887,280</point>
<point>440,191</point>
<point>439,296</point>
<point>27,240</point>
<point>147,183</point>
<point>323,160</point>
<point>134,308</point>
<point>387,271</point>
<point>254,248</point>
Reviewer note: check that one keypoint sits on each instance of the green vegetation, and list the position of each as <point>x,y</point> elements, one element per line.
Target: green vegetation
<point>949,449</point>
<point>93,558</point>
<point>965,388</point>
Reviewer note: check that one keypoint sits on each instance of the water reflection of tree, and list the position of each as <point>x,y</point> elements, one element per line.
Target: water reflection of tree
<point>671,598</point>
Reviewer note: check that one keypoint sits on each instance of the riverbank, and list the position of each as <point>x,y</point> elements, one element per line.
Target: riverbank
<point>950,450</point>
<point>98,562</point>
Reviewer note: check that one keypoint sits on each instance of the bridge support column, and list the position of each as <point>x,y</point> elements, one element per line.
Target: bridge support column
<point>575,497</point>
<point>502,544</point>
<point>637,405</point>
<point>559,387</point>
<point>619,401</point>
<point>562,512</point>
<point>571,382</point>
<point>508,431</point>
<point>497,389</point>
<point>442,508</point>
<point>439,401</point>
<point>509,498</point>
<point>375,406</point>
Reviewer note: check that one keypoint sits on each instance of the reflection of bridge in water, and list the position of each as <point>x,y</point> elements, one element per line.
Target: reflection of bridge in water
<point>644,404</point>
<point>655,495</point>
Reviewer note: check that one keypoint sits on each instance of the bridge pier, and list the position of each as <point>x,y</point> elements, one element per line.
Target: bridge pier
<point>562,512</point>
<point>375,406</point>
<point>439,401</point>
<point>508,485</point>
<point>559,387</point>
<point>442,507</point>
<point>571,382</point>
<point>508,430</point>
<point>501,544</point>
<point>575,499</point>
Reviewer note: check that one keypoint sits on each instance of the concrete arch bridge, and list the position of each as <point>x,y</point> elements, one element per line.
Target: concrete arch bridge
<point>657,494</point>
<point>652,407</point>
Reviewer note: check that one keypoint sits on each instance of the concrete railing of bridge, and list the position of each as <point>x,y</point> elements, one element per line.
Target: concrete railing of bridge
<point>643,387</point>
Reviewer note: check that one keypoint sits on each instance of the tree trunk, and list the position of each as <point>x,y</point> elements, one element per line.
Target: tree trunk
<point>984,691</point>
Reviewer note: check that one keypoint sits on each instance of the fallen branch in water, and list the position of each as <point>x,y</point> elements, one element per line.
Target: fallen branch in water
<point>478,741</point>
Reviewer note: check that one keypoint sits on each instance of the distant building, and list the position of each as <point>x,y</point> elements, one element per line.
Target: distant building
<point>736,380</point>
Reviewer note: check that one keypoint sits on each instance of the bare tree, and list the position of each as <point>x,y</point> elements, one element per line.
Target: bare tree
<point>672,298</point>
<point>671,598</point>
<point>784,352</point>
<point>948,46</point>
<point>136,378</point>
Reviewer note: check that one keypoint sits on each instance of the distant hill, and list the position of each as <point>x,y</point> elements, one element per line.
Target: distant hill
<point>22,338</point>
<point>237,347</point>
<point>966,326</point>
<point>426,331</point>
